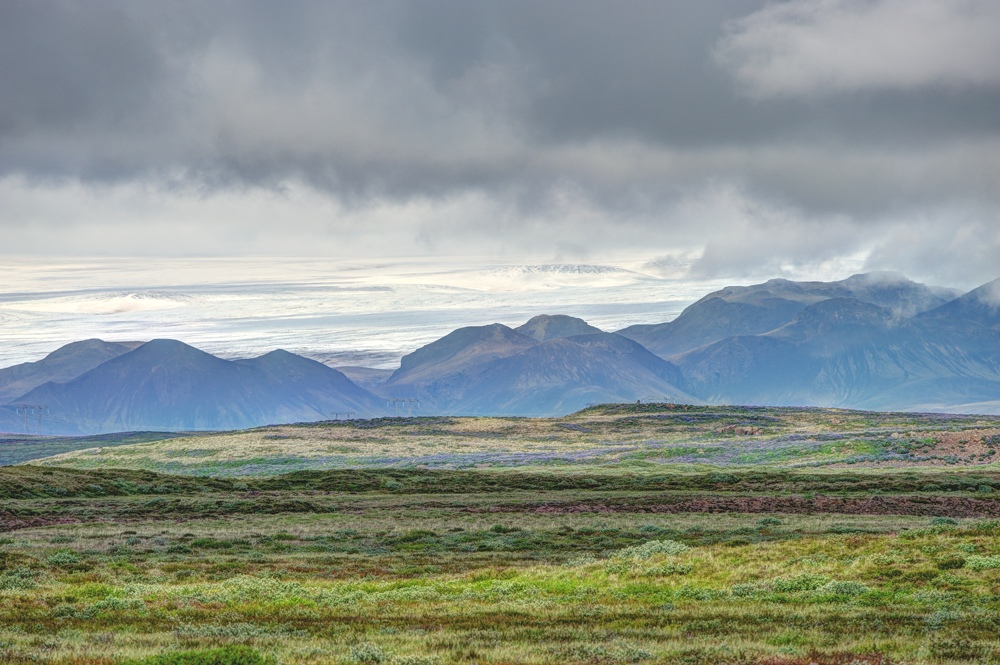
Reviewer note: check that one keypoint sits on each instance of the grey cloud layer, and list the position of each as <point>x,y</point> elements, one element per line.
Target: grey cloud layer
<point>583,115</point>
<point>819,47</point>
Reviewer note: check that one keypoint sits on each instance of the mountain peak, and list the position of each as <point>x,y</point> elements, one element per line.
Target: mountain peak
<point>168,385</point>
<point>877,277</point>
<point>987,294</point>
<point>981,305</point>
<point>64,364</point>
<point>550,326</point>
<point>166,344</point>
<point>466,344</point>
<point>88,346</point>
<point>156,349</point>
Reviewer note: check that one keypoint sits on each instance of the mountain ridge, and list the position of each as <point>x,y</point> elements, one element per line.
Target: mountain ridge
<point>760,308</point>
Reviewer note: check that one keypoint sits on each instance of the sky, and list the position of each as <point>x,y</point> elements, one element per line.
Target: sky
<point>735,138</point>
<point>344,312</point>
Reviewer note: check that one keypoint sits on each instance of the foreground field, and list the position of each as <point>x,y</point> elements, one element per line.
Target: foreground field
<point>379,567</point>
<point>864,538</point>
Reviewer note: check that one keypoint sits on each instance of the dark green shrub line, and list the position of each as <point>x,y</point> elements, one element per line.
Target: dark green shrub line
<point>28,482</point>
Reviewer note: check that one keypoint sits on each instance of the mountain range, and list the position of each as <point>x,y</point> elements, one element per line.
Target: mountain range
<point>168,385</point>
<point>873,341</point>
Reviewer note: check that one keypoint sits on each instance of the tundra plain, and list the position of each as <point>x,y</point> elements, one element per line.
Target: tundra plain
<point>649,533</point>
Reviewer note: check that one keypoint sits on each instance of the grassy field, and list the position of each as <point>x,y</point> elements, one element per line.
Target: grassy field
<point>620,435</point>
<point>21,448</point>
<point>885,550</point>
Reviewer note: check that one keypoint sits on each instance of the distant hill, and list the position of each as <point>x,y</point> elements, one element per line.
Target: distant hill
<point>65,363</point>
<point>761,308</point>
<point>498,370</point>
<point>168,385</point>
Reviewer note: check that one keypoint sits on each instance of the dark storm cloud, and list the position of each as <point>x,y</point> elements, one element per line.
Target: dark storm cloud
<point>693,123</point>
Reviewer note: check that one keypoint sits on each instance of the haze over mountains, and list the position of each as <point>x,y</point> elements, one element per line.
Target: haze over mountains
<point>876,341</point>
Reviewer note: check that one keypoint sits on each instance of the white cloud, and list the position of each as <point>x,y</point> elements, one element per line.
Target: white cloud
<point>817,47</point>
<point>954,245</point>
<point>751,236</point>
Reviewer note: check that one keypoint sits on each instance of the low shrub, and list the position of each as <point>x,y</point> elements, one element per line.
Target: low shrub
<point>584,560</point>
<point>944,521</point>
<point>652,528</point>
<point>63,558</point>
<point>651,549</point>
<point>838,588</point>
<point>805,582</point>
<point>977,562</point>
<point>20,579</point>
<point>368,654</point>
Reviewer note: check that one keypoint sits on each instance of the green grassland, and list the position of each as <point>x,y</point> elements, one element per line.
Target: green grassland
<point>636,435</point>
<point>21,448</point>
<point>820,536</point>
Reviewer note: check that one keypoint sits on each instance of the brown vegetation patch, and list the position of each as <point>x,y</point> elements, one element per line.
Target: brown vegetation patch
<point>828,659</point>
<point>10,522</point>
<point>875,505</point>
<point>967,443</point>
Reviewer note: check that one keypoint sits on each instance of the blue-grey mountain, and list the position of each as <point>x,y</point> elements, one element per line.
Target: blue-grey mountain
<point>497,370</point>
<point>981,305</point>
<point>545,327</point>
<point>846,352</point>
<point>65,363</point>
<point>168,385</point>
<point>875,341</point>
<point>761,308</point>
